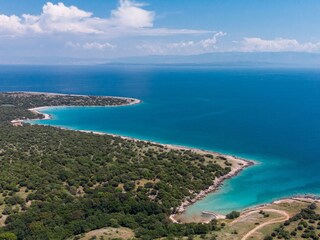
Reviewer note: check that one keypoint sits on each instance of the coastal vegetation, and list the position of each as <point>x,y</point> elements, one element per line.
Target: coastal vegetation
<point>62,184</point>
<point>15,105</point>
<point>32,100</point>
<point>233,215</point>
<point>57,184</point>
<point>303,225</point>
<point>11,112</point>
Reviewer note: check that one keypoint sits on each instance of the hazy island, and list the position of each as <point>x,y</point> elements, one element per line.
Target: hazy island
<point>62,184</point>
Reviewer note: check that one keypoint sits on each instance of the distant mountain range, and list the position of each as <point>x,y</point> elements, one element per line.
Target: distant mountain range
<point>221,59</point>
<point>231,59</point>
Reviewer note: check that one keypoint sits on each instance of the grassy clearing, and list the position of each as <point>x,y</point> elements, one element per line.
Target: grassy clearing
<point>250,219</point>
<point>109,233</point>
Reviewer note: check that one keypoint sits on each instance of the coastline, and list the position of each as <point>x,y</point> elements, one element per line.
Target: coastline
<point>238,164</point>
<point>37,110</point>
<point>77,95</point>
<point>300,198</point>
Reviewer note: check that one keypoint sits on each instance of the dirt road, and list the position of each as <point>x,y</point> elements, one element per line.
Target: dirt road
<point>285,216</point>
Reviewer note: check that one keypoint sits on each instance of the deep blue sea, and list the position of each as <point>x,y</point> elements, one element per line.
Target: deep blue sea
<point>268,115</point>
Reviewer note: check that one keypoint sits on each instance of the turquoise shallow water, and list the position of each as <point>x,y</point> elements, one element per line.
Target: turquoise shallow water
<point>268,115</point>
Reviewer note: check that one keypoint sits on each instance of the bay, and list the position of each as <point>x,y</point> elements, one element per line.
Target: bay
<point>268,115</point>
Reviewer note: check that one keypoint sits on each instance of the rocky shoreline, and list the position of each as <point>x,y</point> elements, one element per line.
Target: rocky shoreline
<point>240,164</point>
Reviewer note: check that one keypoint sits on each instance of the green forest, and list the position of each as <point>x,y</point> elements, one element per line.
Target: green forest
<point>31,100</point>
<point>56,184</point>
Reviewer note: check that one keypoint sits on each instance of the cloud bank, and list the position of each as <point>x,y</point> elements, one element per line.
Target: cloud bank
<point>204,44</point>
<point>91,45</point>
<point>130,29</point>
<point>183,47</point>
<point>256,44</point>
<point>128,18</point>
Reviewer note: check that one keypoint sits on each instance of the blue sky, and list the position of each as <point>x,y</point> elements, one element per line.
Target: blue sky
<point>120,28</point>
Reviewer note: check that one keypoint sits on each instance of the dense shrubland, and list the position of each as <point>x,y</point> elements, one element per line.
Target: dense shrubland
<point>8,113</point>
<point>32,100</point>
<point>55,184</point>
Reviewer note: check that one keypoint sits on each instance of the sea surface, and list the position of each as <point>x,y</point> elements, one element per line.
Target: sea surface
<point>268,115</point>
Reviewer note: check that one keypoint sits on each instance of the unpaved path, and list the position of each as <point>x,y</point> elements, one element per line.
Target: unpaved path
<point>285,216</point>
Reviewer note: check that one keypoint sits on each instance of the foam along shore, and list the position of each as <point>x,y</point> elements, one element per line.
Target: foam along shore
<point>238,164</point>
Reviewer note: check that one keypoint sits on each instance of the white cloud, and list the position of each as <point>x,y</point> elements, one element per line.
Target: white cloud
<point>61,12</point>
<point>183,47</point>
<point>202,44</point>
<point>151,48</point>
<point>54,18</point>
<point>95,45</point>
<point>91,45</point>
<point>129,18</point>
<point>60,18</point>
<point>277,45</point>
<point>10,24</point>
<point>130,14</point>
<point>165,32</point>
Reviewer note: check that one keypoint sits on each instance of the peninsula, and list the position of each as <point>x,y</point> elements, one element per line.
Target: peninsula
<point>62,184</point>
<point>60,173</point>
